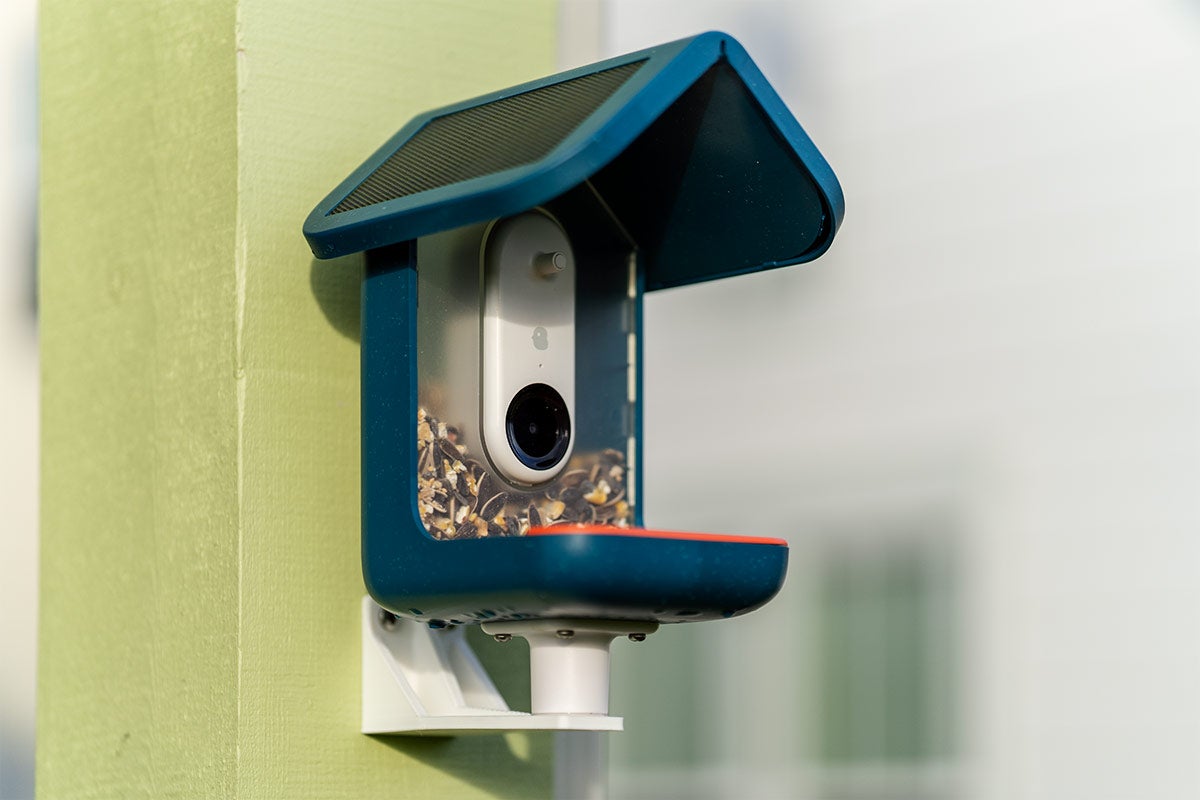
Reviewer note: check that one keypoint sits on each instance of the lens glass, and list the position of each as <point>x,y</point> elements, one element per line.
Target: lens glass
<point>539,428</point>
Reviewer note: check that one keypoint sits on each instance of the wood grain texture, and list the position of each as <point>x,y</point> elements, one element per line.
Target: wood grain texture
<point>200,467</point>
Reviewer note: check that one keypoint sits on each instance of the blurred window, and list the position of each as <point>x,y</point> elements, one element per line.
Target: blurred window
<point>887,672</point>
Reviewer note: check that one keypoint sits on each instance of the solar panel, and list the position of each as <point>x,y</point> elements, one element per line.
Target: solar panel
<point>488,138</point>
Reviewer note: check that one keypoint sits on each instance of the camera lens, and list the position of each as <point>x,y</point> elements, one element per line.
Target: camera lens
<point>538,426</point>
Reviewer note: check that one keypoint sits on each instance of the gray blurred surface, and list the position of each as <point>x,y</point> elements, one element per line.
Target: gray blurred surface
<point>976,419</point>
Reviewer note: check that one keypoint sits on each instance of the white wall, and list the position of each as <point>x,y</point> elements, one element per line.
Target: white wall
<point>18,399</point>
<point>997,359</point>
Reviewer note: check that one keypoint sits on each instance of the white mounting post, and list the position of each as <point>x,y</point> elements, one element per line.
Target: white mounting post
<point>569,660</point>
<point>428,682</point>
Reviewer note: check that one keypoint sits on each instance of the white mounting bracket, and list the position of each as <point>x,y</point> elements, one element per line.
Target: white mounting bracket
<point>416,680</point>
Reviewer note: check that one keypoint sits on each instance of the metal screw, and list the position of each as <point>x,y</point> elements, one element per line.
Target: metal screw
<point>503,637</point>
<point>637,637</point>
<point>564,634</point>
<point>387,620</point>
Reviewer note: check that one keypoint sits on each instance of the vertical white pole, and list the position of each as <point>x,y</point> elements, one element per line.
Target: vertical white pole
<point>580,765</point>
<point>570,676</point>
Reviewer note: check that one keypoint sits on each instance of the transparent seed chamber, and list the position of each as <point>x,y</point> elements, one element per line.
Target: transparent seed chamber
<point>460,493</point>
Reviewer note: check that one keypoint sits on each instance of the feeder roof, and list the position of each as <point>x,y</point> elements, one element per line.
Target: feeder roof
<point>687,144</point>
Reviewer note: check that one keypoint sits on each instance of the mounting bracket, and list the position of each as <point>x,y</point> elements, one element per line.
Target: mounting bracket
<point>417,680</point>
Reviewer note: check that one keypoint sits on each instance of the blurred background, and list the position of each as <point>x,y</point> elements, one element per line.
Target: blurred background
<point>18,395</point>
<point>976,419</point>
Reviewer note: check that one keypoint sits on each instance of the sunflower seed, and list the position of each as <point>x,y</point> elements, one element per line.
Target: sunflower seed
<point>449,450</point>
<point>435,460</point>
<point>619,495</point>
<point>493,506</point>
<point>573,477</point>
<point>486,488</point>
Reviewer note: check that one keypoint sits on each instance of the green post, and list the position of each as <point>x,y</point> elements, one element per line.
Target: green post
<point>200,458</point>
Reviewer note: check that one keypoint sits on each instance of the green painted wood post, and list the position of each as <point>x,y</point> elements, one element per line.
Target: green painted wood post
<point>200,458</point>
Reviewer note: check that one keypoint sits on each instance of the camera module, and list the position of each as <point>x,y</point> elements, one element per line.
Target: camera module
<point>538,426</point>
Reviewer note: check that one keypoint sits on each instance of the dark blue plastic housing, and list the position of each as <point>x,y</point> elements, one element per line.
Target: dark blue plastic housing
<point>708,174</point>
<point>692,149</point>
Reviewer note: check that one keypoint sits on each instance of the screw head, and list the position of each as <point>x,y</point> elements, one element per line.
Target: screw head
<point>637,637</point>
<point>564,634</point>
<point>503,637</point>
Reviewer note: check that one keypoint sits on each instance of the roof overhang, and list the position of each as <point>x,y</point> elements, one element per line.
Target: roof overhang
<point>687,143</point>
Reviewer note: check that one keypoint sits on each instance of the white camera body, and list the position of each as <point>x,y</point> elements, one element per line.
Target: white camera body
<point>528,347</point>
